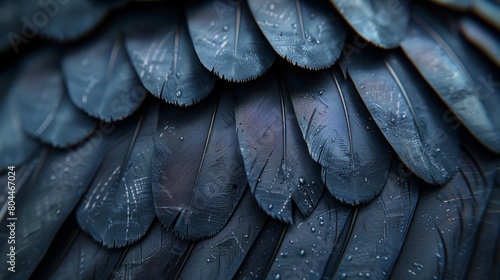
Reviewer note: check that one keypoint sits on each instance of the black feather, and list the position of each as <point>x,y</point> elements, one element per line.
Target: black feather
<point>483,37</point>
<point>158,43</point>
<point>87,260</point>
<point>197,173</point>
<point>306,247</point>
<point>488,10</point>
<point>220,257</point>
<point>309,34</point>
<point>340,135</point>
<point>486,254</point>
<point>228,41</point>
<point>100,77</point>
<point>408,114</point>
<point>442,235</point>
<point>47,200</point>
<point>260,257</point>
<point>78,256</point>
<point>381,22</point>
<point>17,177</point>
<point>467,84</point>
<point>276,159</point>
<point>62,19</point>
<point>15,145</point>
<point>47,111</point>
<point>213,225</point>
<point>157,256</point>
<point>118,207</point>
<point>380,228</point>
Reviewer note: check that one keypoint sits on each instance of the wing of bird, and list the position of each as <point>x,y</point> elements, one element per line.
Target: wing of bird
<point>266,139</point>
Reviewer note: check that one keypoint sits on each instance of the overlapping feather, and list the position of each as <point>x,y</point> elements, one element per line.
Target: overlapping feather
<point>381,22</point>
<point>340,135</point>
<point>442,235</point>
<point>15,145</point>
<point>309,34</point>
<point>158,255</point>
<point>197,172</point>
<point>100,77</point>
<point>198,146</point>
<point>48,113</point>
<point>408,113</point>
<point>228,41</point>
<point>47,199</point>
<point>118,207</point>
<point>468,85</point>
<point>158,43</point>
<point>279,169</point>
<point>379,229</point>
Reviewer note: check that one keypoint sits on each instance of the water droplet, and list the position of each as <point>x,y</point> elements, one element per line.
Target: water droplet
<point>58,211</point>
<point>302,180</point>
<point>418,266</point>
<point>349,258</point>
<point>270,206</point>
<point>362,87</point>
<point>367,275</point>
<point>181,138</point>
<point>333,139</point>
<point>367,128</point>
<point>343,275</point>
<point>208,260</point>
<point>225,28</point>
<point>277,276</point>
<point>302,252</point>
<point>53,177</point>
<point>438,150</point>
<point>313,229</point>
<point>178,94</point>
<point>294,25</point>
<point>178,74</point>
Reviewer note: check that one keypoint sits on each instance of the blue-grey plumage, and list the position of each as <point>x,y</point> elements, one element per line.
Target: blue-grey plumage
<point>366,144</point>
